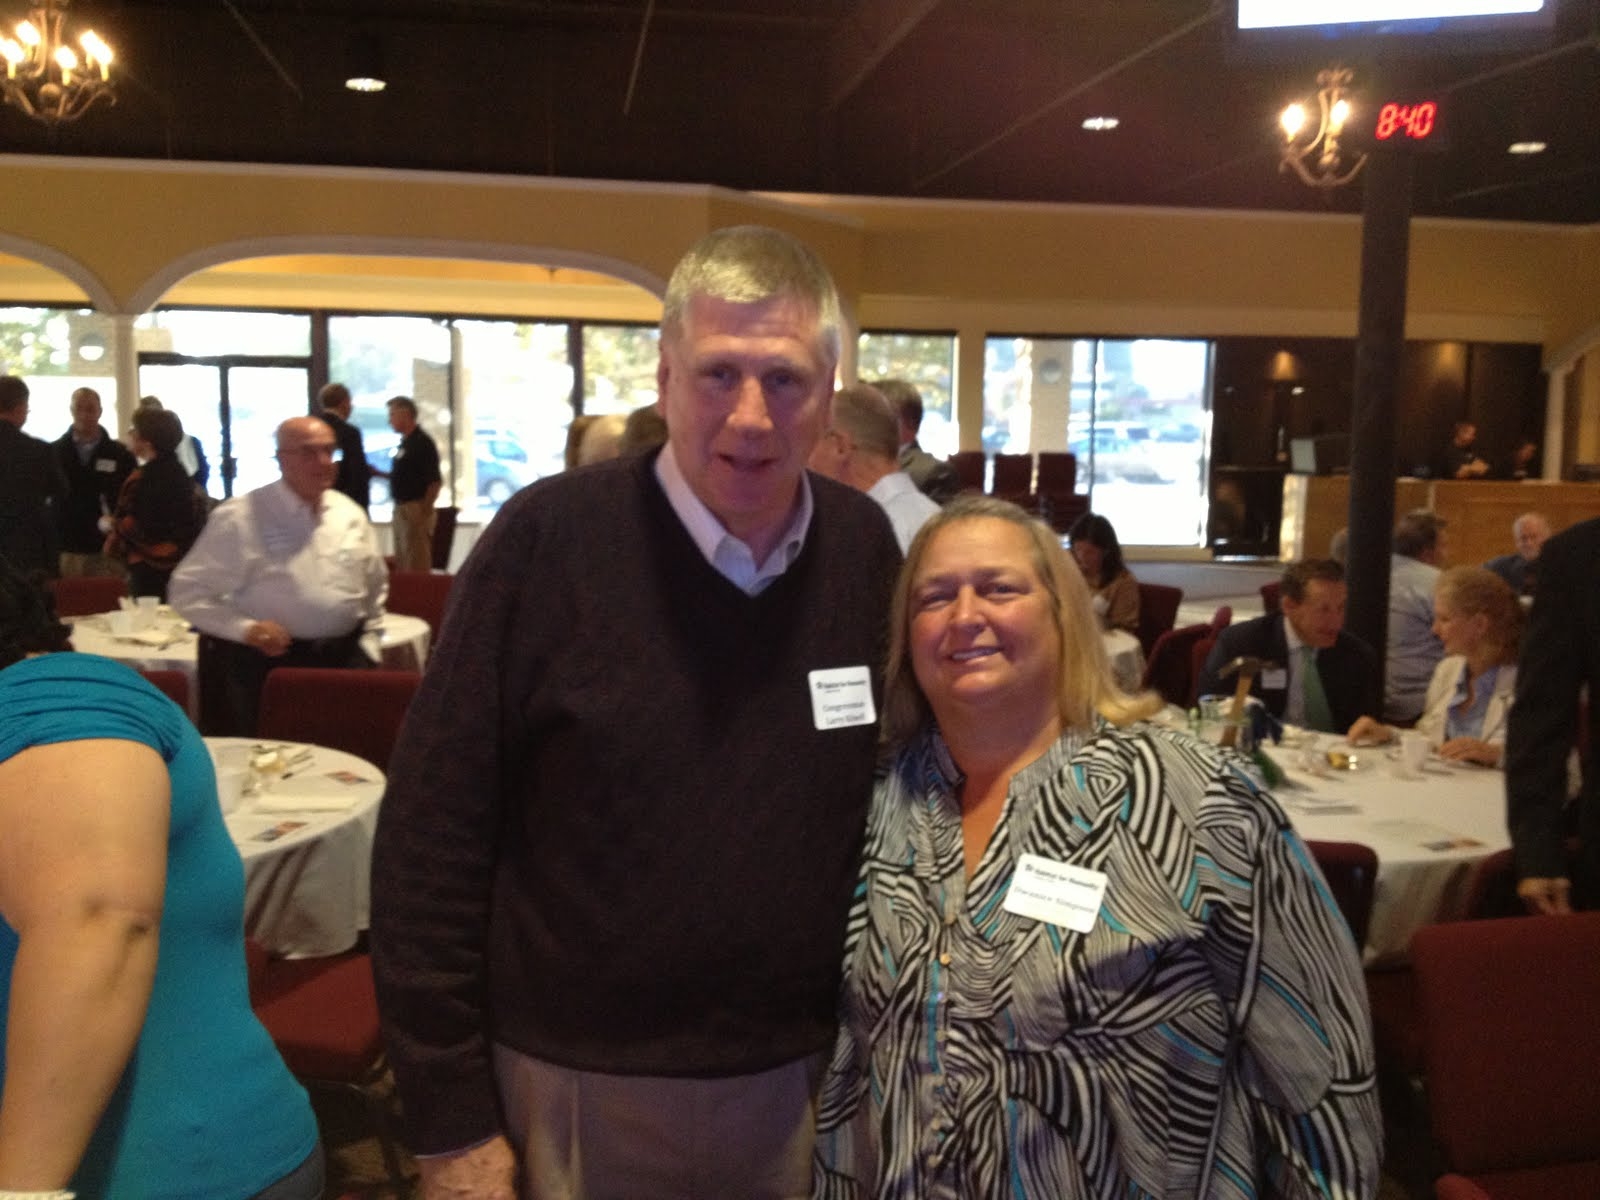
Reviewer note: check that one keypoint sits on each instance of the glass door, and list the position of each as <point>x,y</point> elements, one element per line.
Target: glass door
<point>232,405</point>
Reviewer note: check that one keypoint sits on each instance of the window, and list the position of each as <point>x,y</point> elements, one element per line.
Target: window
<point>57,351</point>
<point>619,367</point>
<point>381,357</point>
<point>1136,412</point>
<point>928,362</point>
<point>516,397</point>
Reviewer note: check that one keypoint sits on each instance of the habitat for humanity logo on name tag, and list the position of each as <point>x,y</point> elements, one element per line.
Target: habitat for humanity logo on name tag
<point>842,697</point>
<point>1058,893</point>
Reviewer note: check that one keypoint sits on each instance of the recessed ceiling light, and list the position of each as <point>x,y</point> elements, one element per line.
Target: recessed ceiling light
<point>1100,124</point>
<point>1526,148</point>
<point>365,83</point>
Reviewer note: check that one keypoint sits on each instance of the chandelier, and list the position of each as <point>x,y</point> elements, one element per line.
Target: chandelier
<point>1313,153</point>
<point>45,76</point>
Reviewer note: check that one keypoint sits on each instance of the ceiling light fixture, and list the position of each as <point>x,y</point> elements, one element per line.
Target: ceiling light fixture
<point>45,77</point>
<point>1528,147</point>
<point>364,57</point>
<point>1100,124</point>
<point>1312,152</point>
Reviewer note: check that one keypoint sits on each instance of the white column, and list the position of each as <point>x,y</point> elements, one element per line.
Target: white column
<point>1555,422</point>
<point>126,357</point>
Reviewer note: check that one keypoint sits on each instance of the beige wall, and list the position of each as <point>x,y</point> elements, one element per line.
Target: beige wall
<point>124,236</point>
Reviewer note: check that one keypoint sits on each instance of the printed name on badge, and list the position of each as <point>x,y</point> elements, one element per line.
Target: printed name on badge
<point>1274,679</point>
<point>842,697</point>
<point>1058,893</point>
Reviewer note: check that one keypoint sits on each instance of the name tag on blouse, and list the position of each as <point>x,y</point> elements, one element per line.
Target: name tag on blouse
<point>1058,893</point>
<point>842,697</point>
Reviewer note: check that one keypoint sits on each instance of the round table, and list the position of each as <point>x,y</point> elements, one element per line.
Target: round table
<point>170,645</point>
<point>306,845</point>
<point>1429,833</point>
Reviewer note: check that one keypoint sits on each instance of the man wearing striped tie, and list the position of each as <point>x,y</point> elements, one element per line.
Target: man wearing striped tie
<point>1318,676</point>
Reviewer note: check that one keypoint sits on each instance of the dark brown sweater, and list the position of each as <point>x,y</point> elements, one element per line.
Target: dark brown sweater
<point>613,838</point>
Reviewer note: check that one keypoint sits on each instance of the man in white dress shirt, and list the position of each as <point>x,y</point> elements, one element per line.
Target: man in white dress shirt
<point>288,575</point>
<point>860,448</point>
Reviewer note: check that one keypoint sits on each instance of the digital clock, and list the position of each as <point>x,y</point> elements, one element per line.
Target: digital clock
<point>1415,121</point>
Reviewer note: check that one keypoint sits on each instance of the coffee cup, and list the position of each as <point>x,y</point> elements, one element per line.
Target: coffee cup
<point>1414,751</point>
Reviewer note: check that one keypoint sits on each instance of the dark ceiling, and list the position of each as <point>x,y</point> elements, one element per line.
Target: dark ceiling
<point>925,98</point>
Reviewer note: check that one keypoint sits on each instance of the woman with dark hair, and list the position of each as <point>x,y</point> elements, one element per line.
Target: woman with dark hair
<point>159,511</point>
<point>1099,556</point>
<point>1087,956</point>
<point>132,1064</point>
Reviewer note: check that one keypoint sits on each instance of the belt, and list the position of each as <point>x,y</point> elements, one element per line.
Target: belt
<point>319,645</point>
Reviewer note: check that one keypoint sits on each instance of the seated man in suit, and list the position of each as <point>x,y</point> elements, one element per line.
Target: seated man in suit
<point>1317,676</point>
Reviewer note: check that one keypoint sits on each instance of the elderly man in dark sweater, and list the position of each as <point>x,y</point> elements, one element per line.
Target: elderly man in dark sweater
<point>616,856</point>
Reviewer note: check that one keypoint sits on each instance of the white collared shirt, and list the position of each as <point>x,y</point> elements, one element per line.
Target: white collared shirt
<point>1294,700</point>
<point>728,556</point>
<point>270,556</point>
<point>907,507</point>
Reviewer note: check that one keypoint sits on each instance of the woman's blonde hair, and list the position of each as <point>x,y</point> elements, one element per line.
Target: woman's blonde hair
<point>1468,591</point>
<point>1085,687</point>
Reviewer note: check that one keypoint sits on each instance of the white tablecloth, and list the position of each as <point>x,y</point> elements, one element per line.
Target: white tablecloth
<point>404,639</point>
<point>308,871</point>
<point>1428,833</point>
<point>1127,658</point>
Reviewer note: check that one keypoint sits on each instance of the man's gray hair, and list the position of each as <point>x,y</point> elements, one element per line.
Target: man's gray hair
<point>747,264</point>
<point>861,411</point>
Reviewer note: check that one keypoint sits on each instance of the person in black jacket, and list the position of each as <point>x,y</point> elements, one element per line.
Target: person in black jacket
<point>32,487</point>
<point>354,476</point>
<point>1317,676</point>
<point>160,511</point>
<point>96,466</point>
<point>1560,659</point>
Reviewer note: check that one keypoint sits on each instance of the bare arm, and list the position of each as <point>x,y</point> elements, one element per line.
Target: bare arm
<point>82,878</point>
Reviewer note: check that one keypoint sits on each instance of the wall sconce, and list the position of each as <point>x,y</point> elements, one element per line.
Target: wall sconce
<point>1313,153</point>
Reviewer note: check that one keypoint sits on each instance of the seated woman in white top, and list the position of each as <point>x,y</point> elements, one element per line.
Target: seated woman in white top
<point>1477,617</point>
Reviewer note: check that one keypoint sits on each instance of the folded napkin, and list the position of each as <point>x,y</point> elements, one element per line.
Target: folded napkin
<point>307,800</point>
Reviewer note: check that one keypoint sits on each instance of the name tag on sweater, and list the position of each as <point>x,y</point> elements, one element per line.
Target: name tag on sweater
<point>1058,893</point>
<point>106,466</point>
<point>842,697</point>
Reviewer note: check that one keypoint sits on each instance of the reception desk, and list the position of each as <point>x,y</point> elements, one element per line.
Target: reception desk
<point>1479,513</point>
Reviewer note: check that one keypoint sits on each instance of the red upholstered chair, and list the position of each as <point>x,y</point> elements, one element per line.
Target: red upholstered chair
<point>87,596</point>
<point>1221,619</point>
<point>359,712</point>
<point>1158,611</point>
<point>322,1014</point>
<point>1269,597</point>
<point>969,466</point>
<point>1013,475</point>
<point>1170,667</point>
<point>1351,870</point>
<point>1058,472</point>
<point>1510,1045</point>
<point>174,683</point>
<point>420,594</point>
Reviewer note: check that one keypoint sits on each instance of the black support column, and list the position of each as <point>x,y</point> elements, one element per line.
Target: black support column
<point>1380,340</point>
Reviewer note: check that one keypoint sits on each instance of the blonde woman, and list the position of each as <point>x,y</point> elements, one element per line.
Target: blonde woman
<point>1088,957</point>
<point>1479,619</point>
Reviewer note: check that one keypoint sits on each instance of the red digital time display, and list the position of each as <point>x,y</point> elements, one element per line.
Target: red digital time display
<point>1414,121</point>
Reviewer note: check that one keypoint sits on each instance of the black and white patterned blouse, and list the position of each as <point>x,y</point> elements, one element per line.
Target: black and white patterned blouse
<point>1208,1037</point>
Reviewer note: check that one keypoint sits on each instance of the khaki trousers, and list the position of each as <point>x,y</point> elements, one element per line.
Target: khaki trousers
<point>413,535</point>
<point>587,1136</point>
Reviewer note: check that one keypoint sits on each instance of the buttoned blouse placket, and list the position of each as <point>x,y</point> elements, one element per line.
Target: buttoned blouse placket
<point>956,984</point>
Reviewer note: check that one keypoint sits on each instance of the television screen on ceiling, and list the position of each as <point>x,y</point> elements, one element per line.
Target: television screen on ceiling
<point>1409,25</point>
<point>1283,14</point>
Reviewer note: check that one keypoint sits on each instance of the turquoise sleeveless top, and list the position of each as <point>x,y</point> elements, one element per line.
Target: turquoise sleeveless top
<point>205,1109</point>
